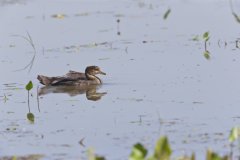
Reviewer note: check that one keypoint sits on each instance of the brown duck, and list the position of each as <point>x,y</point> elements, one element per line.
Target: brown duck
<point>74,78</point>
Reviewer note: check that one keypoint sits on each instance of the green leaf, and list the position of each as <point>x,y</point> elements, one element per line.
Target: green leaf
<point>29,86</point>
<point>93,156</point>
<point>234,134</point>
<point>166,14</point>
<point>207,55</point>
<point>138,152</point>
<point>30,117</point>
<point>214,156</point>
<point>163,150</point>
<point>206,36</point>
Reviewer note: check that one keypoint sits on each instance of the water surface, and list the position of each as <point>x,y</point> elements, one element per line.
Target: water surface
<point>158,82</point>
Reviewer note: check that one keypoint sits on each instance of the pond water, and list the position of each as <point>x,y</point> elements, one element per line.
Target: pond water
<point>158,81</point>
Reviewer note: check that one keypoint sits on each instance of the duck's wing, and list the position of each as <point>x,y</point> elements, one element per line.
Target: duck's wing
<point>51,80</point>
<point>76,75</point>
<point>69,78</point>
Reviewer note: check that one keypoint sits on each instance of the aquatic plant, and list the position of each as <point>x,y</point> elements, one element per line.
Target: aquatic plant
<point>206,53</point>
<point>206,38</point>
<point>93,156</point>
<point>30,116</point>
<point>163,151</point>
<point>234,134</point>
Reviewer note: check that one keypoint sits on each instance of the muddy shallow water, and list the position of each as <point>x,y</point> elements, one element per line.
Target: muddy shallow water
<point>158,81</point>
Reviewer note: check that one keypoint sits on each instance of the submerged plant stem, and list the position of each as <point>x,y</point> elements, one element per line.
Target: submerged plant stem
<point>28,103</point>
<point>205,45</point>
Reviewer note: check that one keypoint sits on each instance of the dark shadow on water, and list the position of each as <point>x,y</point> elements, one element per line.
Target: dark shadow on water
<point>90,91</point>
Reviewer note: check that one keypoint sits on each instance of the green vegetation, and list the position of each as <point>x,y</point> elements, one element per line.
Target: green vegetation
<point>92,156</point>
<point>206,55</point>
<point>163,151</point>
<point>234,134</point>
<point>206,37</point>
<point>30,116</point>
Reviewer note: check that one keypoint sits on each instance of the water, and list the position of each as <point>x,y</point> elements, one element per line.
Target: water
<point>158,82</point>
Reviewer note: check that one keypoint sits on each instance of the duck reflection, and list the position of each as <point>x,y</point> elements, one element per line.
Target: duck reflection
<point>90,91</point>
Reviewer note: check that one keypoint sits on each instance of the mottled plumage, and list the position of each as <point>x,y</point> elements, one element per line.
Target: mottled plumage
<point>74,78</point>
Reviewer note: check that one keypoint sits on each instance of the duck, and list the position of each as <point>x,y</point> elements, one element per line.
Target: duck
<point>74,78</point>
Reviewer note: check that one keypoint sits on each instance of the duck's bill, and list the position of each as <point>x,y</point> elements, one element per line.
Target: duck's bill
<point>103,73</point>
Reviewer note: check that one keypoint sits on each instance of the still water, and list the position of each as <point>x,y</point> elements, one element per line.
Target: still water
<point>158,81</point>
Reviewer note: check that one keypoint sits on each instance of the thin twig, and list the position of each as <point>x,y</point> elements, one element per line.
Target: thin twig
<point>234,13</point>
<point>30,41</point>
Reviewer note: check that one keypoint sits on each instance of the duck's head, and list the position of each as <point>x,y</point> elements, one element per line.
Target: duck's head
<point>94,70</point>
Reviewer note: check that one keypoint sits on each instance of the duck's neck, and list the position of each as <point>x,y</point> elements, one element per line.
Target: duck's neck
<point>93,78</point>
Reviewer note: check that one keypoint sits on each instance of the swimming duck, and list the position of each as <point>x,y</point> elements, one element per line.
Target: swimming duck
<point>74,78</point>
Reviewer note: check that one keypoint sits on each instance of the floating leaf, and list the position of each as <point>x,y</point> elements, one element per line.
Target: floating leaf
<point>207,55</point>
<point>166,14</point>
<point>138,152</point>
<point>29,86</point>
<point>162,149</point>
<point>234,134</point>
<point>30,117</point>
<point>59,16</point>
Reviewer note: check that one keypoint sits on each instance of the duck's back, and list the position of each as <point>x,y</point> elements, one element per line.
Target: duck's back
<point>68,78</point>
<point>76,75</point>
